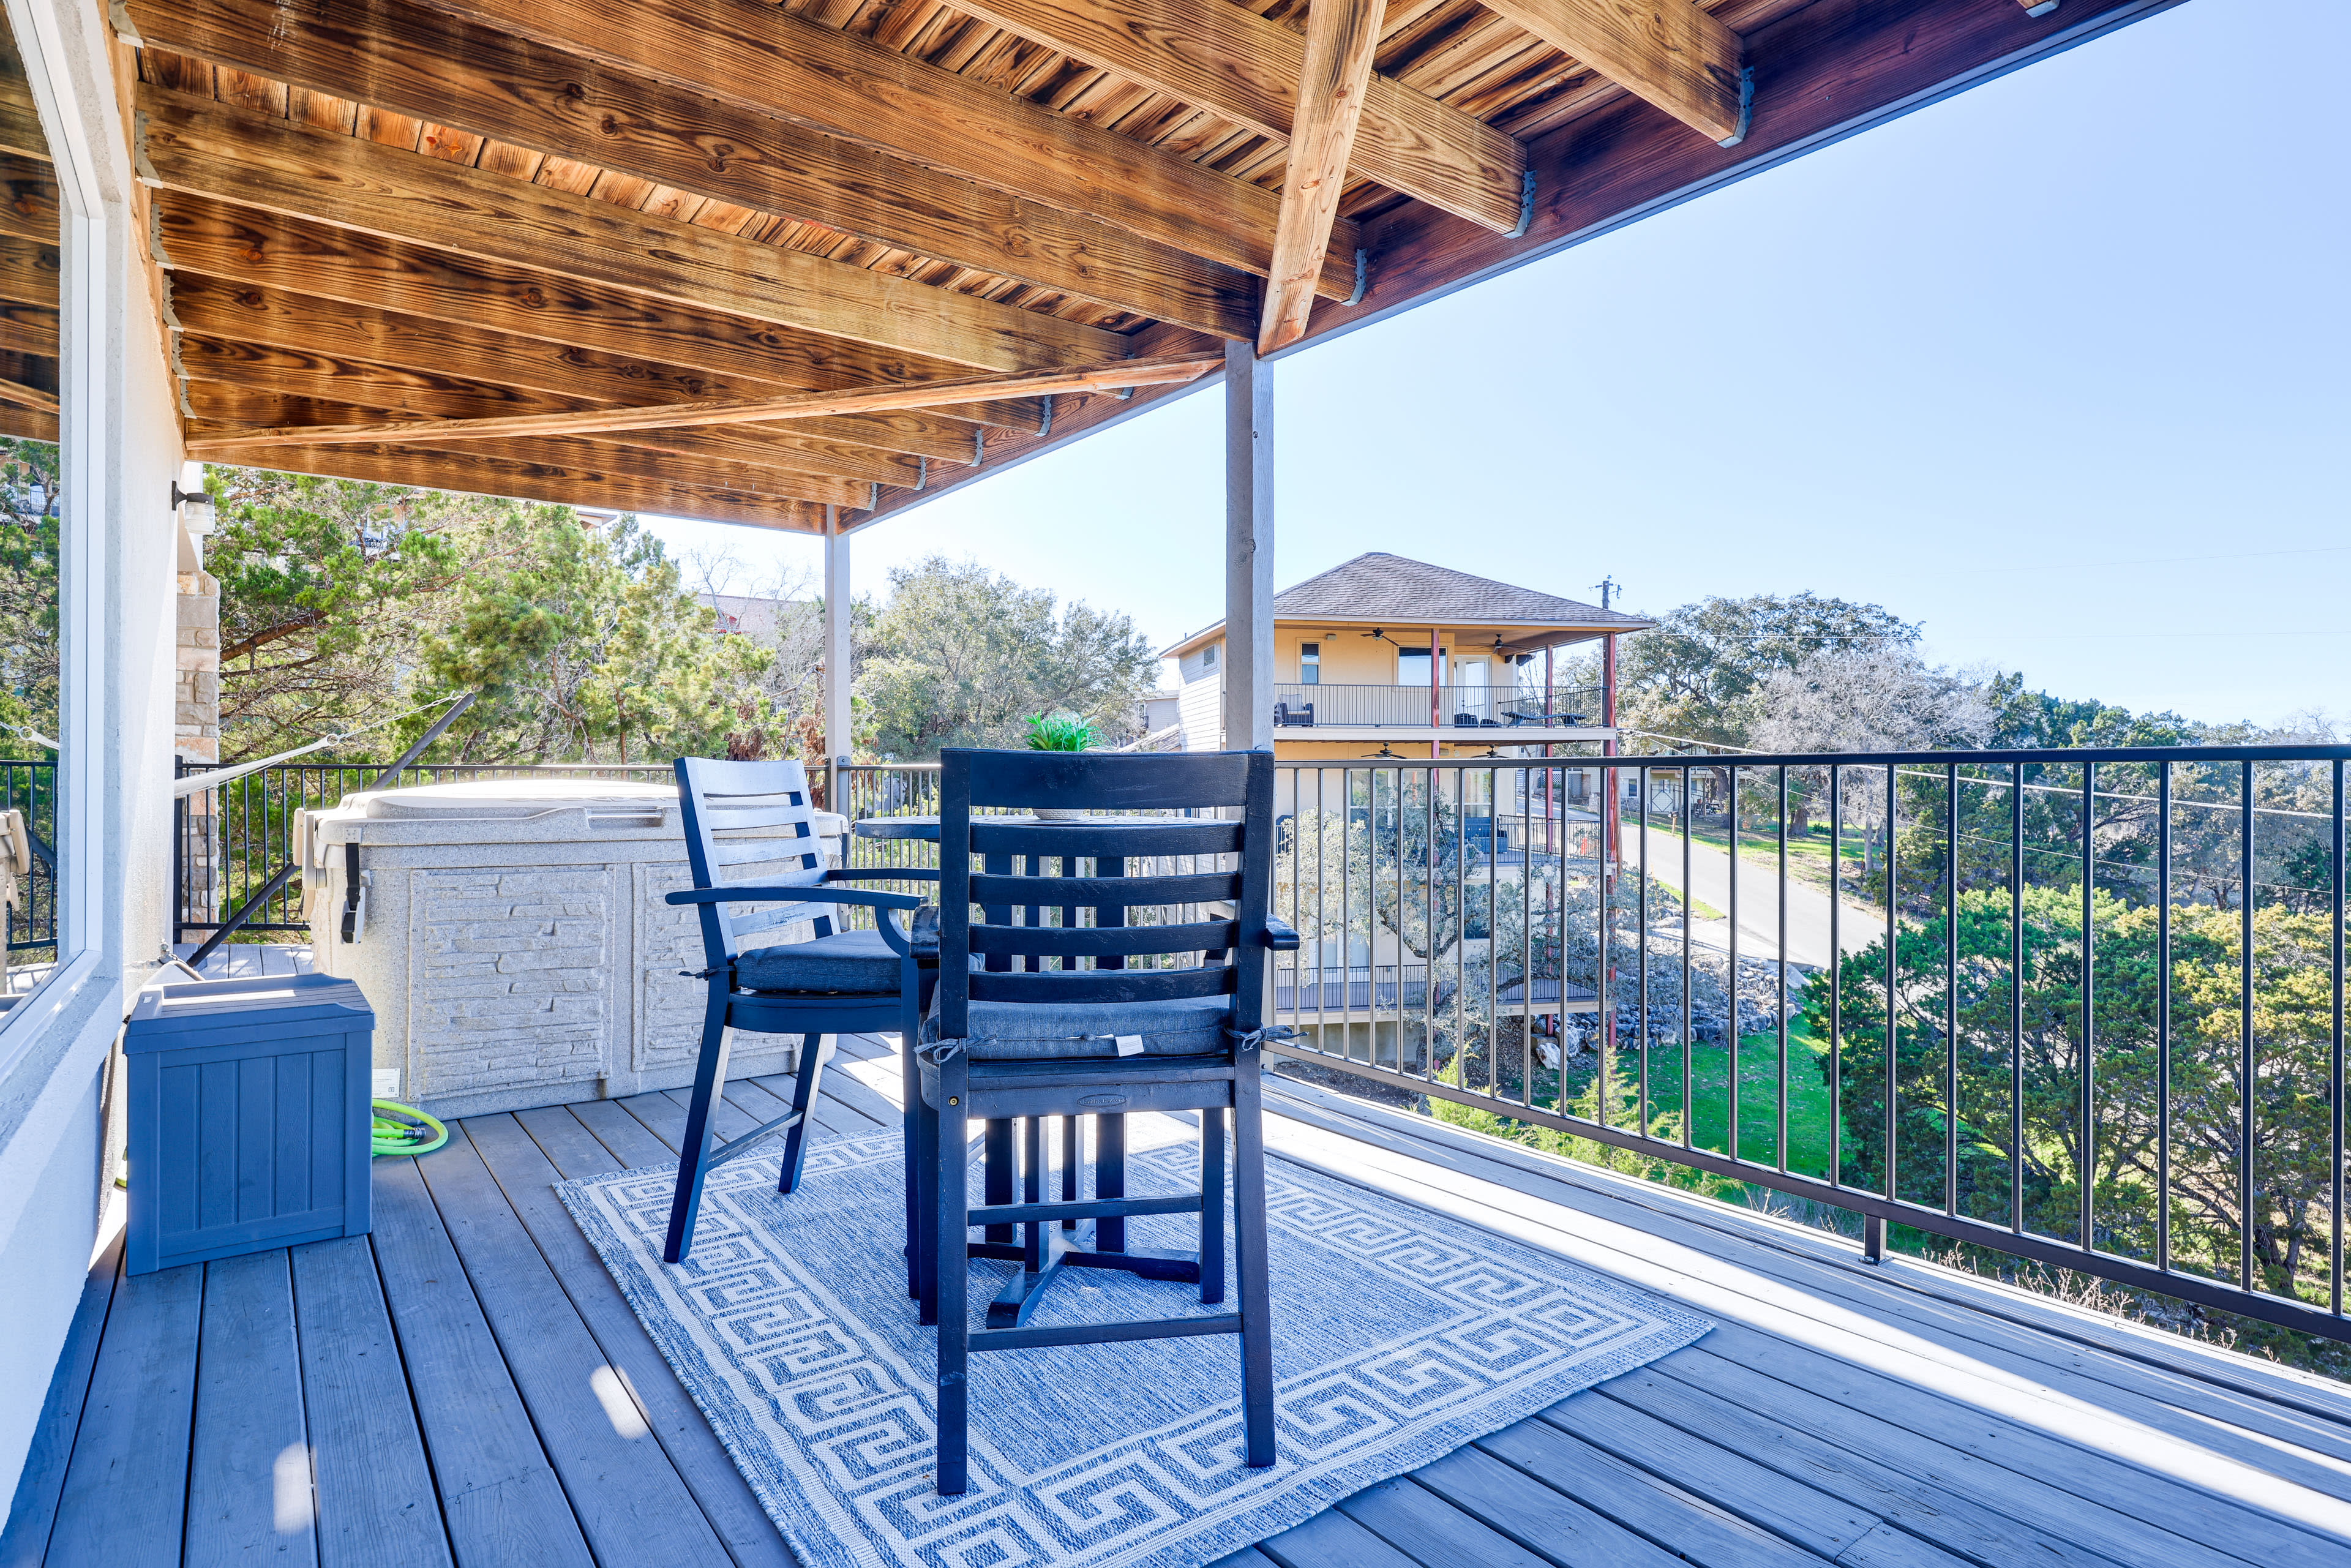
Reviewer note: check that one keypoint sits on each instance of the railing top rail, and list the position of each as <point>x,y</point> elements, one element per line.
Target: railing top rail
<point>1664,762</point>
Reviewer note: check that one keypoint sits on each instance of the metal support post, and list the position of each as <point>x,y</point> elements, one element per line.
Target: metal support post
<point>836,617</point>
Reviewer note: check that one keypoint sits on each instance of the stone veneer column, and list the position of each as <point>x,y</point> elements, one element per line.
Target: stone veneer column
<point>196,692</point>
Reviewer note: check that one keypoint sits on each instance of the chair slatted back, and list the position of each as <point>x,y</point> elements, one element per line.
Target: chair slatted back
<point>750,815</point>
<point>1095,913</point>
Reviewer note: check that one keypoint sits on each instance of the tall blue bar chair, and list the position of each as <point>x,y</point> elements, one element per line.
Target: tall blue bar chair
<point>1156,1003</point>
<point>843,980</point>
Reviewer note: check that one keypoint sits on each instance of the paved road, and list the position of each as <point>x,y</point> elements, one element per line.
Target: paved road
<point>1759,901</point>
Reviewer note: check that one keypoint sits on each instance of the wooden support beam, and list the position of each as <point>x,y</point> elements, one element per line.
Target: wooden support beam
<point>299,339</point>
<point>264,252</point>
<point>757,55</point>
<point>20,122</point>
<point>673,417</point>
<point>209,150</point>
<point>1669,52</point>
<point>485,474</point>
<point>1334,67</point>
<point>454,72</point>
<point>1229,60</point>
<point>261,398</point>
<point>22,396</point>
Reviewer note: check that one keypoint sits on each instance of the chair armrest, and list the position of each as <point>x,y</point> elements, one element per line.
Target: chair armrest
<point>881,873</point>
<point>1279,935</point>
<point>810,894</point>
<point>924,934</point>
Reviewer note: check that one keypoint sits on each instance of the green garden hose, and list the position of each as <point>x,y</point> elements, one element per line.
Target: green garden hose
<point>406,1130</point>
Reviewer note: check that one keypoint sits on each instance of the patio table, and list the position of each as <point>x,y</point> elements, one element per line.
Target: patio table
<point>1109,1135</point>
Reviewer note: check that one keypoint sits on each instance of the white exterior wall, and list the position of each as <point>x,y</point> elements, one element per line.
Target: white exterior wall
<point>120,622</point>
<point>1200,702</point>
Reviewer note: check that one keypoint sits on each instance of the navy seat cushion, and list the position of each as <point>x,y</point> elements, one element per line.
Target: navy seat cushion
<point>844,961</point>
<point>1027,1031</point>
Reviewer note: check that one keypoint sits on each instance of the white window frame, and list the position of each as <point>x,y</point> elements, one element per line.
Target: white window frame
<point>48,36</point>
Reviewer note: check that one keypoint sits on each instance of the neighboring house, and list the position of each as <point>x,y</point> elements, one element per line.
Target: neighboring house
<point>1354,677</point>
<point>751,616</point>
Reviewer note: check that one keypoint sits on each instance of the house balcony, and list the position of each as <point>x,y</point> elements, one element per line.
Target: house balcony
<point>1499,715</point>
<point>468,1385</point>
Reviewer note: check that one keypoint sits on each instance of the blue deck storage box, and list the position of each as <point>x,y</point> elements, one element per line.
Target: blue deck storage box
<point>249,1117</point>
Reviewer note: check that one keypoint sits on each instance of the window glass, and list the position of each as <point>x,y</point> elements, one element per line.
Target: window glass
<point>1412,666</point>
<point>31,514</point>
<point>1208,657</point>
<point>1310,663</point>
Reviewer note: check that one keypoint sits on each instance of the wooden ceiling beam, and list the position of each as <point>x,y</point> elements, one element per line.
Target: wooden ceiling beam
<point>454,72</point>
<point>368,393</point>
<point>20,121</point>
<point>285,256</point>
<point>294,335</point>
<point>757,55</point>
<point>19,396</point>
<point>1161,372</point>
<point>1671,52</point>
<point>1335,67</point>
<point>1237,64</point>
<point>206,149</point>
<point>214,403</point>
<point>485,474</point>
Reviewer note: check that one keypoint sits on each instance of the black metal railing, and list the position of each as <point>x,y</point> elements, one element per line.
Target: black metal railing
<point>31,787</point>
<point>233,844</point>
<point>2085,1006</point>
<point>1458,707</point>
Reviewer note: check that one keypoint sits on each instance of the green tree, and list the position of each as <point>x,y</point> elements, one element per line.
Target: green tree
<point>30,517</point>
<point>2119,1148</point>
<point>1694,675</point>
<point>961,655</point>
<point>344,605</point>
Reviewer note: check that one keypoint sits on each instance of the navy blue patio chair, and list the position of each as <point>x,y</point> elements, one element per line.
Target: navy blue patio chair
<point>1156,1004</point>
<point>843,980</point>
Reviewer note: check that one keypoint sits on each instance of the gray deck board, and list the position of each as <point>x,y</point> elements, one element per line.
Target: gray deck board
<point>1422,1524</point>
<point>527,1164</point>
<point>442,1372</point>
<point>1547,1522</point>
<point>375,1500</point>
<point>126,1486</point>
<point>499,1494</point>
<point>630,1500</point>
<point>249,1496</point>
<point>25,1539</point>
<point>1965,1525</point>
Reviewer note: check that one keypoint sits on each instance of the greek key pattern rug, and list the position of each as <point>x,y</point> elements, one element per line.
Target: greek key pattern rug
<point>1399,1335</point>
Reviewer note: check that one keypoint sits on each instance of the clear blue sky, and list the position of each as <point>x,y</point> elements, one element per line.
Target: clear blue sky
<point>2056,367</point>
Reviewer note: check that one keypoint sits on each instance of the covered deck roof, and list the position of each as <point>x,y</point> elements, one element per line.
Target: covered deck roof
<point>807,265</point>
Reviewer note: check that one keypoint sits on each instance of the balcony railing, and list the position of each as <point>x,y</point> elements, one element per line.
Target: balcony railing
<point>2123,966</point>
<point>1409,707</point>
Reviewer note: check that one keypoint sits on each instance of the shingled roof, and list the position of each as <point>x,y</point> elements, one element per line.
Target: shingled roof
<point>1392,588</point>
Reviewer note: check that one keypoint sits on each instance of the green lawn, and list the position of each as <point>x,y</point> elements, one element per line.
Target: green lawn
<point>1759,1089</point>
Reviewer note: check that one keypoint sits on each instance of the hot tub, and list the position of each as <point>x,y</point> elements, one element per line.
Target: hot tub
<point>511,936</point>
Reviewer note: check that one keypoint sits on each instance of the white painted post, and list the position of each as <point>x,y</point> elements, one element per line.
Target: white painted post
<point>1248,549</point>
<point>837,613</point>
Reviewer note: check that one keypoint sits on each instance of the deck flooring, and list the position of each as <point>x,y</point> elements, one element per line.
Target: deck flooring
<point>468,1388</point>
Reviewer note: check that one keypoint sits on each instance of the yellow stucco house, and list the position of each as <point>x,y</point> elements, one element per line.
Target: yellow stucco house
<point>1354,676</point>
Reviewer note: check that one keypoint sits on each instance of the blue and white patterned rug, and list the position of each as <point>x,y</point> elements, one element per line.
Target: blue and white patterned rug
<point>1399,1335</point>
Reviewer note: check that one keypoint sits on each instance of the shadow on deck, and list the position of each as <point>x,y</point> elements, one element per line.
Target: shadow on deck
<point>466,1385</point>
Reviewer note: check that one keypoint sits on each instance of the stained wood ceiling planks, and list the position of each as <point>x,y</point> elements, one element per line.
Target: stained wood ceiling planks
<point>205,149</point>
<point>428,64</point>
